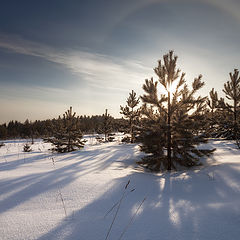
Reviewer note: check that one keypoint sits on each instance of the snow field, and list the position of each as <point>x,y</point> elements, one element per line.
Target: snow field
<point>37,188</point>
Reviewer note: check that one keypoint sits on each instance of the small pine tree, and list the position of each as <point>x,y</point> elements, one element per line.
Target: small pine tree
<point>171,119</point>
<point>212,115</point>
<point>232,92</point>
<point>212,104</point>
<point>131,114</point>
<point>67,136</point>
<point>27,148</point>
<point>106,125</point>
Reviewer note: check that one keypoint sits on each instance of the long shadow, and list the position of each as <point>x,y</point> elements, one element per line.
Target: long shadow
<point>96,160</point>
<point>32,185</point>
<point>12,160</point>
<point>185,205</point>
<point>25,159</point>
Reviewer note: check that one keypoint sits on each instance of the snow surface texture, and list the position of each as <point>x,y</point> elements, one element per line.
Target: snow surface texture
<point>77,195</point>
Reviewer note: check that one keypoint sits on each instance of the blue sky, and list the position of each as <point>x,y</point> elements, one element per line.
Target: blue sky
<point>91,54</point>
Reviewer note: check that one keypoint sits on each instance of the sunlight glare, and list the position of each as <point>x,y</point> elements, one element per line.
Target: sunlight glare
<point>171,88</point>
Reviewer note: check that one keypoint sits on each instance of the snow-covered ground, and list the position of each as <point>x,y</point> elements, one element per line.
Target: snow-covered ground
<point>79,195</point>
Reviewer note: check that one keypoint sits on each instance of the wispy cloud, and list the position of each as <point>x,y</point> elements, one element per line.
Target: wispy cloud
<point>97,69</point>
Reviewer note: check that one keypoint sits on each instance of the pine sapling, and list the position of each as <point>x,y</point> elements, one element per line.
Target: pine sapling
<point>27,148</point>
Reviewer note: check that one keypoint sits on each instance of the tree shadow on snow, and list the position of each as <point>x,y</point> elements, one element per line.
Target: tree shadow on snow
<point>67,168</point>
<point>194,204</point>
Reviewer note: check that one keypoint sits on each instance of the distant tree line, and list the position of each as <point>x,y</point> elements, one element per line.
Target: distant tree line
<point>45,128</point>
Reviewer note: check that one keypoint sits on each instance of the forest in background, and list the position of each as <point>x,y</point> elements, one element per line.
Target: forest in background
<point>44,128</point>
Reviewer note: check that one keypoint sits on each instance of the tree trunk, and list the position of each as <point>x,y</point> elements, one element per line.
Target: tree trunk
<point>169,157</point>
<point>131,127</point>
<point>235,124</point>
<point>32,136</point>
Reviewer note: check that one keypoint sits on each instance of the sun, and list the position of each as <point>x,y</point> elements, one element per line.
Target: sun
<point>171,88</point>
